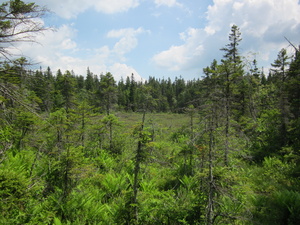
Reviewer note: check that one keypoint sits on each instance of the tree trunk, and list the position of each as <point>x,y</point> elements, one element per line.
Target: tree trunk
<point>210,205</point>
<point>138,158</point>
<point>227,111</point>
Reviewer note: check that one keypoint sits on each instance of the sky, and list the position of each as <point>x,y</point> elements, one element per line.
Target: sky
<point>159,38</point>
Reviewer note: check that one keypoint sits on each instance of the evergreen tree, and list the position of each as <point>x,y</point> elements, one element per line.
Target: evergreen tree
<point>80,82</point>
<point>107,92</point>
<point>132,92</point>
<point>294,84</point>
<point>89,81</point>
<point>279,77</point>
<point>169,93</point>
<point>231,72</point>
<point>231,49</point>
<point>19,21</point>
<point>179,87</point>
<point>66,88</point>
<point>49,90</point>
<point>123,95</point>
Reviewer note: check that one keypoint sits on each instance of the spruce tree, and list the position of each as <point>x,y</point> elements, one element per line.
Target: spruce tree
<point>279,74</point>
<point>107,92</point>
<point>231,71</point>
<point>231,49</point>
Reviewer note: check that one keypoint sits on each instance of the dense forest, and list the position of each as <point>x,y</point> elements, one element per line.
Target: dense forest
<point>85,149</point>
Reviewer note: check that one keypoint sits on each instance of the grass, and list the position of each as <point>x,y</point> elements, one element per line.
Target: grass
<point>170,121</point>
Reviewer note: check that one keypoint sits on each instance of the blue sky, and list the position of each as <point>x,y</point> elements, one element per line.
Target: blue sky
<point>160,38</point>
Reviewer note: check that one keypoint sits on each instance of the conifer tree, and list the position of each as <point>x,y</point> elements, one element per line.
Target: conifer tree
<point>89,81</point>
<point>231,71</point>
<point>66,88</point>
<point>294,84</point>
<point>132,93</point>
<point>279,76</point>
<point>231,49</point>
<point>107,92</point>
<point>18,23</point>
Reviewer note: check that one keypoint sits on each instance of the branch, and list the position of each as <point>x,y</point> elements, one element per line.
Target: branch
<point>296,49</point>
<point>19,23</point>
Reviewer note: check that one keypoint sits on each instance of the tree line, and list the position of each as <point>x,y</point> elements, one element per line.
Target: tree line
<point>103,92</point>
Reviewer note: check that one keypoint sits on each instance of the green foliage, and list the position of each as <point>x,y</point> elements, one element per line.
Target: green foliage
<point>106,92</point>
<point>281,207</point>
<point>21,195</point>
<point>19,7</point>
<point>13,193</point>
<point>18,24</point>
<point>6,137</point>
<point>229,155</point>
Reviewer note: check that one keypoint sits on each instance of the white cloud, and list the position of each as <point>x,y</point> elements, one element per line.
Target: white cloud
<point>61,38</point>
<point>263,24</point>
<point>58,50</point>
<point>128,40</point>
<point>71,8</point>
<point>125,32</point>
<point>114,6</point>
<point>184,56</point>
<point>50,43</point>
<point>68,44</point>
<point>169,3</point>
<point>253,16</point>
<point>122,70</point>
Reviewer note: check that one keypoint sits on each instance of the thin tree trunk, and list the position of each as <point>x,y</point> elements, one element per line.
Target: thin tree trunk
<point>83,128</point>
<point>226,137</point>
<point>110,136</point>
<point>137,170</point>
<point>192,125</point>
<point>284,108</point>
<point>227,111</point>
<point>210,205</point>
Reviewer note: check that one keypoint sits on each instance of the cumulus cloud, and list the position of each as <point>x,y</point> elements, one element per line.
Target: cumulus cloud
<point>125,32</point>
<point>50,43</point>
<point>71,8</point>
<point>263,24</point>
<point>122,70</point>
<point>53,49</point>
<point>115,6</point>
<point>183,56</point>
<point>128,40</point>
<point>68,44</point>
<point>253,16</point>
<point>58,50</point>
<point>169,3</point>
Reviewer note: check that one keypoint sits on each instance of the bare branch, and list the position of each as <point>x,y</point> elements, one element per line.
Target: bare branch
<point>19,22</point>
<point>296,49</point>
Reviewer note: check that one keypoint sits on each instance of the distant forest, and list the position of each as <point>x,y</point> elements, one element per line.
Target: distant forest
<point>221,149</point>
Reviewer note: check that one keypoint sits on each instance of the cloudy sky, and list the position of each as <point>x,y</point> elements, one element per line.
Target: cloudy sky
<point>161,38</point>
